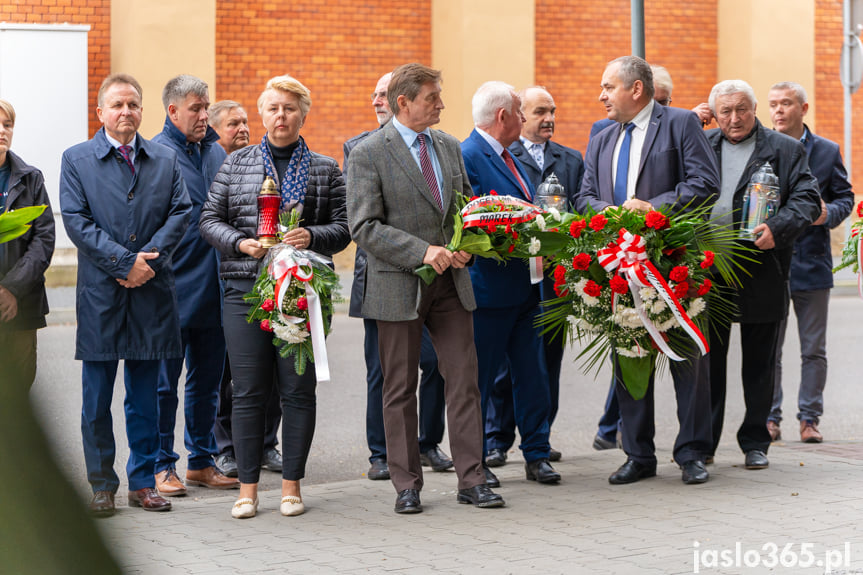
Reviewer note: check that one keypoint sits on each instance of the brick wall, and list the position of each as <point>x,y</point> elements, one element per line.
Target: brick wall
<point>96,13</point>
<point>575,39</point>
<point>337,48</point>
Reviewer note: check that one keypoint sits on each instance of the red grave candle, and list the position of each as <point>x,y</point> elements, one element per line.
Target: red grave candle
<point>268,213</point>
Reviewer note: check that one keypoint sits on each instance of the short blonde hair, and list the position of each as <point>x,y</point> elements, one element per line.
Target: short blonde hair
<point>8,110</point>
<point>291,85</point>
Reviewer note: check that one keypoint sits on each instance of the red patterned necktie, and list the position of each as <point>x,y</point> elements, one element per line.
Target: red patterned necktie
<point>511,165</point>
<point>428,171</point>
<point>126,151</point>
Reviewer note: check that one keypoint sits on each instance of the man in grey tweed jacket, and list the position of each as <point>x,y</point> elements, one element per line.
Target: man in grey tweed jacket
<point>401,199</point>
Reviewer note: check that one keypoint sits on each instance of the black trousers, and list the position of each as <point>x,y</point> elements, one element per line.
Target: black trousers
<point>759,344</point>
<point>692,391</point>
<point>255,361</point>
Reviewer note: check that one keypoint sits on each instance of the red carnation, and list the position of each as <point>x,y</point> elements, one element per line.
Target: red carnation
<point>655,220</point>
<point>592,288</point>
<point>860,209</point>
<point>302,304</point>
<point>514,235</point>
<point>265,325</point>
<point>598,222</point>
<point>474,198</point>
<point>492,193</point>
<point>708,259</point>
<point>559,274</point>
<point>268,305</point>
<point>679,273</point>
<point>492,228</point>
<point>581,261</point>
<point>511,249</point>
<point>619,285</point>
<point>681,289</point>
<point>576,227</point>
<point>705,287</point>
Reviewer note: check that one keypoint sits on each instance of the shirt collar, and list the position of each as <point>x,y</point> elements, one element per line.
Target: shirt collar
<point>408,134</point>
<point>495,145</point>
<point>642,118</point>
<point>528,144</point>
<point>116,144</point>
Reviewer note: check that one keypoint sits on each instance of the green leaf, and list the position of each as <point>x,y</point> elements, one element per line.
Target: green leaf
<point>426,273</point>
<point>19,217</point>
<point>635,372</point>
<point>10,234</point>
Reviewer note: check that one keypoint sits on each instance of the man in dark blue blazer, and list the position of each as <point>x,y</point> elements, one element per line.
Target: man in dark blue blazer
<point>670,163</point>
<point>507,302</point>
<point>811,263</point>
<point>540,157</point>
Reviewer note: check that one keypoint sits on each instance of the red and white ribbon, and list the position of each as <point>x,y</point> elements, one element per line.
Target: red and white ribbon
<point>511,210</point>
<point>628,256</point>
<point>289,264</point>
<point>856,234</point>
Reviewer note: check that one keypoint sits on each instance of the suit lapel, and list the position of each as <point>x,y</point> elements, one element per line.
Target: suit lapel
<point>649,138</point>
<point>497,162</point>
<point>402,155</point>
<point>606,165</point>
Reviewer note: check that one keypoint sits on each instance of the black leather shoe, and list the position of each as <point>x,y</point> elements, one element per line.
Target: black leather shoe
<point>436,459</point>
<point>272,460</point>
<point>480,496</point>
<point>495,458</point>
<point>756,459</point>
<point>490,478</point>
<point>379,470</point>
<point>541,471</point>
<point>630,472</point>
<point>102,504</point>
<point>694,472</point>
<point>601,444</point>
<point>408,501</point>
<point>227,464</point>
<point>554,455</point>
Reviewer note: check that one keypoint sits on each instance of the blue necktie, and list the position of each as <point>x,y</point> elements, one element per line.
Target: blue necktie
<point>622,176</point>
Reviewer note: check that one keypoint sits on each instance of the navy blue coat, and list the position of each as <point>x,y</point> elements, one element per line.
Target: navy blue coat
<point>677,164</point>
<point>110,216</point>
<point>563,162</point>
<point>494,284</point>
<point>812,261</point>
<point>196,262</point>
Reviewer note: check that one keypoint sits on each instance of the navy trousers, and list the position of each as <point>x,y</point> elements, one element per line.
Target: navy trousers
<point>610,420</point>
<point>204,355</point>
<point>431,395</point>
<point>508,336</point>
<point>142,423</point>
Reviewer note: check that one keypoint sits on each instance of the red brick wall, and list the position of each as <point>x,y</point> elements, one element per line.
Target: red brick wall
<point>337,48</point>
<point>575,39</point>
<point>96,13</point>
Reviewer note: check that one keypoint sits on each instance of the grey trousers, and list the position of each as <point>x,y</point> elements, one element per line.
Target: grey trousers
<point>810,307</point>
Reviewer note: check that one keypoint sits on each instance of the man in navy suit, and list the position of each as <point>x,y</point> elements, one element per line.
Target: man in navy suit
<point>811,264</point>
<point>669,163</point>
<point>507,302</point>
<point>540,157</point>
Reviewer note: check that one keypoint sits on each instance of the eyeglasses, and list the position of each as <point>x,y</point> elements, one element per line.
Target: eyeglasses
<point>666,102</point>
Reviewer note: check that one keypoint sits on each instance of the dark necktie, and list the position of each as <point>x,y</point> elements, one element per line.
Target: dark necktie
<point>125,151</point>
<point>622,176</point>
<point>507,158</point>
<point>428,171</point>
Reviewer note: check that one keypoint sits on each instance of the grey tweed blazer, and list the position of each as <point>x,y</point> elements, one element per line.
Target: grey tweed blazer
<point>393,216</point>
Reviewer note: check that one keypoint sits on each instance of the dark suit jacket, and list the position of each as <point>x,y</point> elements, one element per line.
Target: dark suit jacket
<point>677,167</point>
<point>561,161</point>
<point>763,296</point>
<point>812,262</point>
<point>494,284</point>
<point>394,217</point>
<point>359,284</point>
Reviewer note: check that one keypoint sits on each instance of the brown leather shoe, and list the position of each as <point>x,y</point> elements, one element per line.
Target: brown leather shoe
<point>169,484</point>
<point>773,429</point>
<point>102,504</point>
<point>809,432</point>
<point>212,478</point>
<point>149,499</point>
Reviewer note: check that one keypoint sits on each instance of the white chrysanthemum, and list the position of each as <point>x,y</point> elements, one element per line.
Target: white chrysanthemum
<point>589,299</point>
<point>657,306</point>
<point>540,222</point>
<point>647,293</point>
<point>668,324</point>
<point>291,333</point>
<point>535,245</point>
<point>573,320</point>
<point>696,307</point>
<point>633,352</point>
<point>626,317</point>
<point>554,213</point>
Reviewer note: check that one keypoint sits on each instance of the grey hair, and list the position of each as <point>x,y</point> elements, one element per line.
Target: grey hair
<point>181,86</point>
<point>662,79</point>
<point>219,109</point>
<point>633,68</point>
<point>727,87</point>
<point>799,91</point>
<point>488,99</point>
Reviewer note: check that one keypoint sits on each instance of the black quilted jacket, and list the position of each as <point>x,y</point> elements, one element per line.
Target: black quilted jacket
<point>230,214</point>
